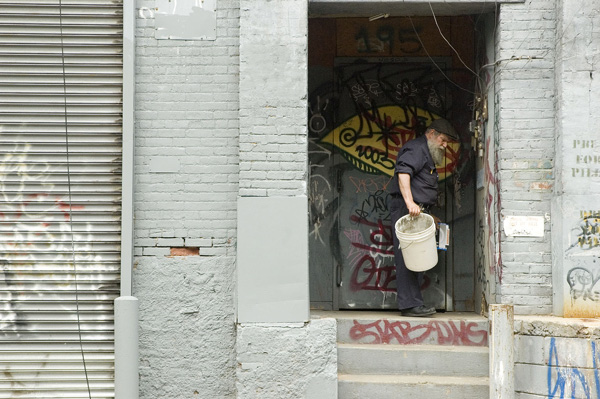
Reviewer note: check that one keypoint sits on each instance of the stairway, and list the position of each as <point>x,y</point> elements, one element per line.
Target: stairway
<point>384,355</point>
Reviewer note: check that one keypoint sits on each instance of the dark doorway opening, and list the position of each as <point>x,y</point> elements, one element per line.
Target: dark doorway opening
<point>373,85</point>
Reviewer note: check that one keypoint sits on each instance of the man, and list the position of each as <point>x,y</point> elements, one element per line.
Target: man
<point>413,190</point>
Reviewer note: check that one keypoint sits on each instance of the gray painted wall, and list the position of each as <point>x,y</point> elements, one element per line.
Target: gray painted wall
<point>187,328</point>
<point>576,211</point>
<point>287,360</point>
<point>186,187</point>
<point>525,102</point>
<point>556,358</point>
<point>186,146</point>
<point>192,109</point>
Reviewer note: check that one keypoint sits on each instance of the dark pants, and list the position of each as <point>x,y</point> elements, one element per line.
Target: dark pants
<point>407,281</point>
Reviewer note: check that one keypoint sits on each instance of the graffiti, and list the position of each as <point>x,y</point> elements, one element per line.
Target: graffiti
<point>370,184</point>
<point>492,197</point>
<point>368,260</point>
<point>587,231</point>
<point>370,141</point>
<point>386,37</point>
<point>357,124</point>
<point>319,192</point>
<point>317,122</point>
<point>374,156</point>
<point>375,203</point>
<point>388,112</point>
<point>571,381</point>
<point>36,226</point>
<point>404,332</point>
<point>363,92</point>
<point>582,283</point>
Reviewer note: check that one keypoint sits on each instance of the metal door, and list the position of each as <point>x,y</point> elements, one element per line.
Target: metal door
<point>60,204</point>
<point>382,104</point>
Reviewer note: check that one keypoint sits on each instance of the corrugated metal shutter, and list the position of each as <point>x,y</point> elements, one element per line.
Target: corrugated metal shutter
<point>59,275</point>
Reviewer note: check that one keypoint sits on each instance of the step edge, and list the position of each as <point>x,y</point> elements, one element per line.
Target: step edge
<point>412,379</point>
<point>415,347</point>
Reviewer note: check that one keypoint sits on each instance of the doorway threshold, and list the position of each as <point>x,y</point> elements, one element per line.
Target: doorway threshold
<point>391,315</point>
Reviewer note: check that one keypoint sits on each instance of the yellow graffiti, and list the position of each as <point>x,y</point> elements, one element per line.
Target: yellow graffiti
<point>371,141</point>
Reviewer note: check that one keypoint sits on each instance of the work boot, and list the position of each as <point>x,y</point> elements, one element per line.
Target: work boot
<point>418,311</point>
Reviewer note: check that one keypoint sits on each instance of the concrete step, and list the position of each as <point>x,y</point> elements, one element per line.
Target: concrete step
<point>414,387</point>
<point>379,359</point>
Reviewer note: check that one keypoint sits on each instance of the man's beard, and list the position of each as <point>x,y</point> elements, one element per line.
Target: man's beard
<point>437,152</point>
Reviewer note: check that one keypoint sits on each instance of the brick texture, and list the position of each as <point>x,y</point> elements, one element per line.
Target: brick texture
<point>273,87</point>
<point>525,119</point>
<point>186,160</point>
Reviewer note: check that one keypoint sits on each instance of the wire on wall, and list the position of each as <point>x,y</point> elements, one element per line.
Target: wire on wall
<point>446,40</point>
<point>64,81</point>
<point>433,61</point>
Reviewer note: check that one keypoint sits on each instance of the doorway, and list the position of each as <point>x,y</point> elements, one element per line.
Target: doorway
<point>374,85</point>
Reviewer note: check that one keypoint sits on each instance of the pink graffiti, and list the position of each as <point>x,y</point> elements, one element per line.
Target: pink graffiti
<point>369,185</point>
<point>22,211</point>
<point>403,332</point>
<point>493,190</point>
<point>368,271</point>
<point>67,209</point>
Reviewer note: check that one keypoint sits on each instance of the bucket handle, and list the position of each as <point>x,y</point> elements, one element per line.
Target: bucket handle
<point>411,243</point>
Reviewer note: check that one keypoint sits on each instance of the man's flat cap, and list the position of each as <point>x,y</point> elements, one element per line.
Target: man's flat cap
<point>443,126</point>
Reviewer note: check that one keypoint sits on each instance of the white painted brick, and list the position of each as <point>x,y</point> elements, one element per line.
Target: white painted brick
<point>199,242</point>
<point>534,309</point>
<point>156,251</point>
<point>146,242</point>
<point>267,108</point>
<point>214,251</point>
<point>170,242</point>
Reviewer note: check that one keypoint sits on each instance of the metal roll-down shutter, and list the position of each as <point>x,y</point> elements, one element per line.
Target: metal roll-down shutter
<point>60,196</point>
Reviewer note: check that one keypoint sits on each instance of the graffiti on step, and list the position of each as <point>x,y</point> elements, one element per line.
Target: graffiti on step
<point>438,332</point>
<point>572,382</point>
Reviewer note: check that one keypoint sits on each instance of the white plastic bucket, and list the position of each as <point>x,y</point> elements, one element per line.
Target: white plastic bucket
<point>417,241</point>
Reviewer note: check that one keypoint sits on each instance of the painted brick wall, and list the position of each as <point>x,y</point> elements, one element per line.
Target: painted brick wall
<point>186,187</point>
<point>525,122</point>
<point>556,358</point>
<point>186,161</point>
<point>576,213</point>
<point>273,87</point>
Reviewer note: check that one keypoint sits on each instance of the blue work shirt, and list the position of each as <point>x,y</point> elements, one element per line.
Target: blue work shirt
<point>415,160</point>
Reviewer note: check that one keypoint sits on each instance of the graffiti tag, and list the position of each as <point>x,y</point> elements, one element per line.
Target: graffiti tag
<point>403,332</point>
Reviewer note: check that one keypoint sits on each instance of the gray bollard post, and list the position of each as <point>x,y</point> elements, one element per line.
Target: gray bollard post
<point>126,348</point>
<point>501,343</point>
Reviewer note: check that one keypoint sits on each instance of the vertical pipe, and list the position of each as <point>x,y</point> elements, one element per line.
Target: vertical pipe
<point>126,348</point>
<point>128,150</point>
<point>502,365</point>
<point>126,306</point>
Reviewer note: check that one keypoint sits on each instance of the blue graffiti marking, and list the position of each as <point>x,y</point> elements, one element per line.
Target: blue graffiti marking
<point>565,375</point>
<point>596,375</point>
